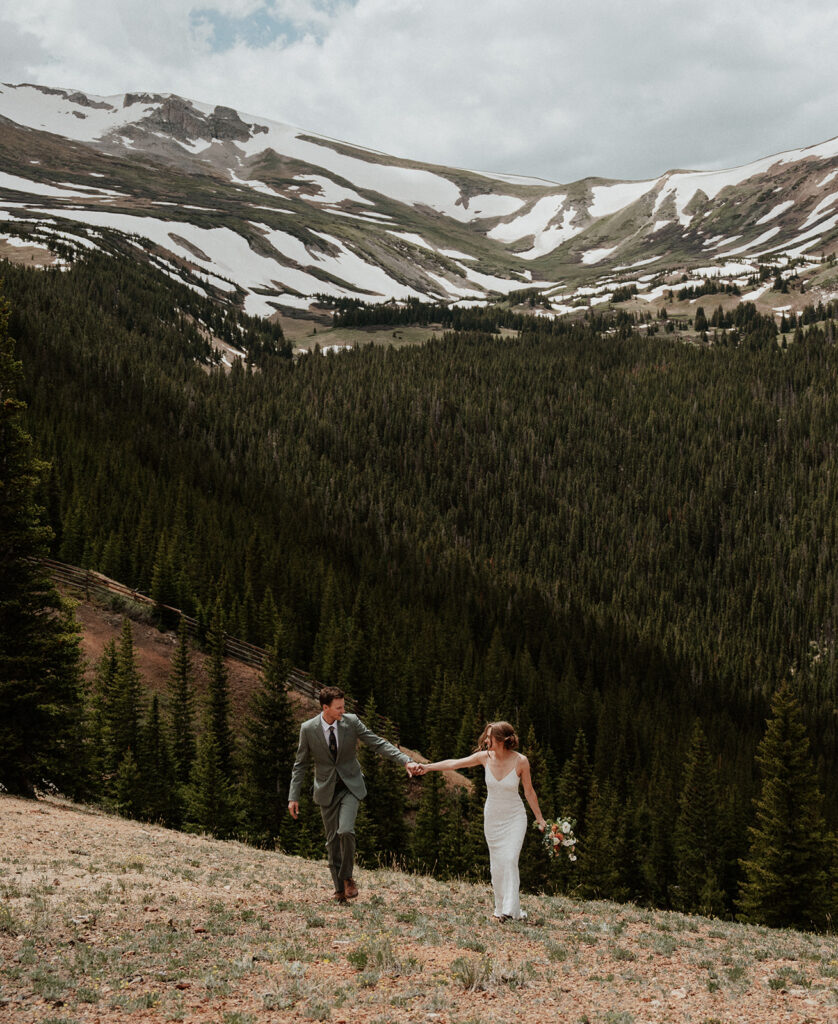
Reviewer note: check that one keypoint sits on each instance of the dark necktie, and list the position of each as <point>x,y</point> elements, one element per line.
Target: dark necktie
<point>333,743</point>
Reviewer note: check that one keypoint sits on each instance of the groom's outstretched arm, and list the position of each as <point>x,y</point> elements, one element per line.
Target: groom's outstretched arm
<point>380,745</point>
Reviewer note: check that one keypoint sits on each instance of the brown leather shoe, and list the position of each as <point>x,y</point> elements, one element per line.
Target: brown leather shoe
<point>350,889</point>
<point>339,897</point>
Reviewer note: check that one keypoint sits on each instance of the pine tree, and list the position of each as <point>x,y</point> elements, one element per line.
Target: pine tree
<point>209,797</point>
<point>385,803</point>
<point>160,798</point>
<point>574,783</point>
<point>331,633</point>
<point>697,839</point>
<point>455,848</point>
<point>218,697</point>
<point>124,709</point>
<point>597,872</point>
<point>268,619</point>
<point>127,787</point>
<point>304,836</point>
<point>534,864</point>
<point>496,672</point>
<point>476,850</point>
<point>427,840</point>
<point>163,583</point>
<point>40,660</point>
<point>655,816</point>
<point>74,532</point>
<point>182,709</point>
<point>473,720</point>
<point>786,881</point>
<point>102,701</point>
<point>268,753</point>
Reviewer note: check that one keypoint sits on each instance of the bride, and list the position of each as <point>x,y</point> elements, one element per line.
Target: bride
<point>504,816</point>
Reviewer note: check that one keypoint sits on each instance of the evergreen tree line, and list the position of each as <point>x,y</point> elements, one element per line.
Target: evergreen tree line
<point>711,286</point>
<point>607,540</point>
<point>178,761</point>
<point>415,312</point>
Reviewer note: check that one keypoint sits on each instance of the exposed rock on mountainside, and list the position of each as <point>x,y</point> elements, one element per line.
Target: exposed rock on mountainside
<point>270,216</point>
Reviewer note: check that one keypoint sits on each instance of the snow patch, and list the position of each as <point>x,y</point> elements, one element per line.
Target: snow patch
<point>22,243</point>
<point>413,239</point>
<point>763,238</point>
<point>296,301</point>
<point>724,270</point>
<point>819,211</point>
<point>449,288</point>
<point>231,256</point>
<point>655,293</point>
<point>639,263</point>
<point>253,183</point>
<point>330,191</point>
<point>804,241</point>
<point>597,255</point>
<point>29,106</point>
<point>608,199</point>
<point>756,293</point>
<point>776,211</point>
<point>452,254</point>
<point>13,183</point>
<point>538,221</point>
<point>533,222</point>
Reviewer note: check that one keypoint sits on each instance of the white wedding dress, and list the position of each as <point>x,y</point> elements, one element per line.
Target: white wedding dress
<point>504,825</point>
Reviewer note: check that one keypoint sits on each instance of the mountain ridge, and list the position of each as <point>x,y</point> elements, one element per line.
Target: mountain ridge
<point>273,216</point>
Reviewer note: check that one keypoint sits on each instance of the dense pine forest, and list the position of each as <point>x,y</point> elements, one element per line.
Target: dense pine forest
<point>624,543</point>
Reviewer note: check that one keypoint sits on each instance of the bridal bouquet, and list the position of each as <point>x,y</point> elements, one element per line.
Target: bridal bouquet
<point>558,836</point>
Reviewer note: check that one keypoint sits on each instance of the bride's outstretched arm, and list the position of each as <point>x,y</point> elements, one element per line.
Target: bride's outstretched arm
<point>454,763</point>
<point>529,793</point>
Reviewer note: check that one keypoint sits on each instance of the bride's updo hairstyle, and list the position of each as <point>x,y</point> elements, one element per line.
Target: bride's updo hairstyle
<point>501,731</point>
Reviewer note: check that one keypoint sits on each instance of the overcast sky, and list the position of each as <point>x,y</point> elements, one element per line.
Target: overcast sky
<point>559,89</point>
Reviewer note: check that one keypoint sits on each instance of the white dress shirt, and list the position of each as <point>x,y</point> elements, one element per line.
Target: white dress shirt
<point>327,727</point>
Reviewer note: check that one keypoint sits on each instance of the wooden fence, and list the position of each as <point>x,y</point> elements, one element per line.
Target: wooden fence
<point>95,584</point>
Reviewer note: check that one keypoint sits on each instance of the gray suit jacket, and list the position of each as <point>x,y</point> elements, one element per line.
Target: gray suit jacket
<point>314,750</point>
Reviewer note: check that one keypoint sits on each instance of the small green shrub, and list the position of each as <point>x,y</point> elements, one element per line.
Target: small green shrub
<point>473,975</point>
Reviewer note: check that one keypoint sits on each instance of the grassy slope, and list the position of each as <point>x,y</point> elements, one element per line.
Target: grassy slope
<point>105,919</point>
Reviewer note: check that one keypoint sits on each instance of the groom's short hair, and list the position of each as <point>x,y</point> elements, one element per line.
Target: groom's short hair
<point>328,694</point>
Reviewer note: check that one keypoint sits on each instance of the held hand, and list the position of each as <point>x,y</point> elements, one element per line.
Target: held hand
<point>293,809</point>
<point>419,770</point>
<point>411,768</point>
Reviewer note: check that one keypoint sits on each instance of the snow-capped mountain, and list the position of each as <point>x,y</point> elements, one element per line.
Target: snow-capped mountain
<point>236,203</point>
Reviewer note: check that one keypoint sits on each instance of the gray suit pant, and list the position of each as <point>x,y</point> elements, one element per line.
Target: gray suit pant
<point>339,824</point>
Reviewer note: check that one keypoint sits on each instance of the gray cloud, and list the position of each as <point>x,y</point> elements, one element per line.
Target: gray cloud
<point>19,49</point>
<point>560,89</point>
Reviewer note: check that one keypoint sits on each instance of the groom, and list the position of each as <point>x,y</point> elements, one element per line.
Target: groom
<point>329,742</point>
